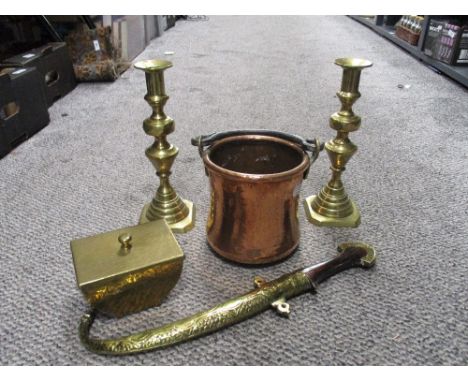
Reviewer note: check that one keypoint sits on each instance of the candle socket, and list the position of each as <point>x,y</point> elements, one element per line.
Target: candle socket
<point>332,207</point>
<point>166,204</point>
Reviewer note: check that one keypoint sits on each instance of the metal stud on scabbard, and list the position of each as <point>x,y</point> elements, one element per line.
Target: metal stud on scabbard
<point>166,204</point>
<point>332,207</point>
<point>267,294</point>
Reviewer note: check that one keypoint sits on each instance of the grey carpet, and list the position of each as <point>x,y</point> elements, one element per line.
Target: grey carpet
<point>86,173</point>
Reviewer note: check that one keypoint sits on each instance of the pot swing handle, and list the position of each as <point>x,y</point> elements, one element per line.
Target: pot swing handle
<point>311,145</point>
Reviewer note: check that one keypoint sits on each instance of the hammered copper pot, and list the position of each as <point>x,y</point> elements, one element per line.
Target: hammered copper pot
<point>255,183</point>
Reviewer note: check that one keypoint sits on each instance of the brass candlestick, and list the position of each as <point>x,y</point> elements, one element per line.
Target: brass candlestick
<point>332,206</point>
<point>166,204</point>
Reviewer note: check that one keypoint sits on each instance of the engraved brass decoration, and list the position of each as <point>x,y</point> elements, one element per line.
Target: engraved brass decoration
<point>332,206</point>
<point>128,270</point>
<point>166,204</point>
<point>267,294</point>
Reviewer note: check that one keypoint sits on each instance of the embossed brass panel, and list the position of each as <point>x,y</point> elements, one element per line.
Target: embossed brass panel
<point>129,269</point>
<point>332,206</point>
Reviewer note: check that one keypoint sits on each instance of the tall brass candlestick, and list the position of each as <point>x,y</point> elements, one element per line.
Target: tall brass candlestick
<point>332,207</point>
<point>166,204</point>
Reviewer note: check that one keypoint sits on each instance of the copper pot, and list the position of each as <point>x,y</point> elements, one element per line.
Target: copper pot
<point>255,178</point>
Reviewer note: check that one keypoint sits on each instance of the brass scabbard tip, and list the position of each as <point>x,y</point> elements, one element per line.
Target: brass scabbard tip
<point>85,324</point>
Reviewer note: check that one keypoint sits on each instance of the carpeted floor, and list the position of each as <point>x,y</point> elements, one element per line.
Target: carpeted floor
<point>86,173</point>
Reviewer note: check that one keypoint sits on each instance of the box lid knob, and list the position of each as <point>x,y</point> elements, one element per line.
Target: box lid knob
<point>125,241</point>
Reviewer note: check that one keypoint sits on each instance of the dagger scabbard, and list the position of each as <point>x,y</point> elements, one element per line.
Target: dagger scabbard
<point>266,295</point>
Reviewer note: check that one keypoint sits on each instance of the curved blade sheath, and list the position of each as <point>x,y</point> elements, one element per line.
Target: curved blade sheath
<point>237,309</point>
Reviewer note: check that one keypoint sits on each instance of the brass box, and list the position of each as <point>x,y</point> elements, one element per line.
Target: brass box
<point>129,269</point>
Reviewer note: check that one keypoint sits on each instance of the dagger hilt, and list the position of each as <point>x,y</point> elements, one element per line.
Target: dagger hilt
<point>352,254</point>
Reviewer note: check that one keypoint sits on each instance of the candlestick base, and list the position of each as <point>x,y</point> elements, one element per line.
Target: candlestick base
<point>182,226</point>
<point>352,220</point>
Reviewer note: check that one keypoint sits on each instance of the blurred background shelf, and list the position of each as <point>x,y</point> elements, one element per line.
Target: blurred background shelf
<point>385,27</point>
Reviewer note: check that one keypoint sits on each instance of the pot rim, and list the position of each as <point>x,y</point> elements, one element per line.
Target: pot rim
<point>299,169</point>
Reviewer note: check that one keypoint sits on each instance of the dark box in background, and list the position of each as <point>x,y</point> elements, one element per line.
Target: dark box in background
<point>54,65</point>
<point>11,133</point>
<point>453,45</point>
<point>432,38</point>
<point>23,107</point>
<point>391,20</point>
<point>447,41</point>
<point>19,34</point>
<point>170,21</point>
<point>31,99</point>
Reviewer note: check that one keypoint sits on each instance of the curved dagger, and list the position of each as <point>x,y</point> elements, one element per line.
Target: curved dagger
<point>267,294</point>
